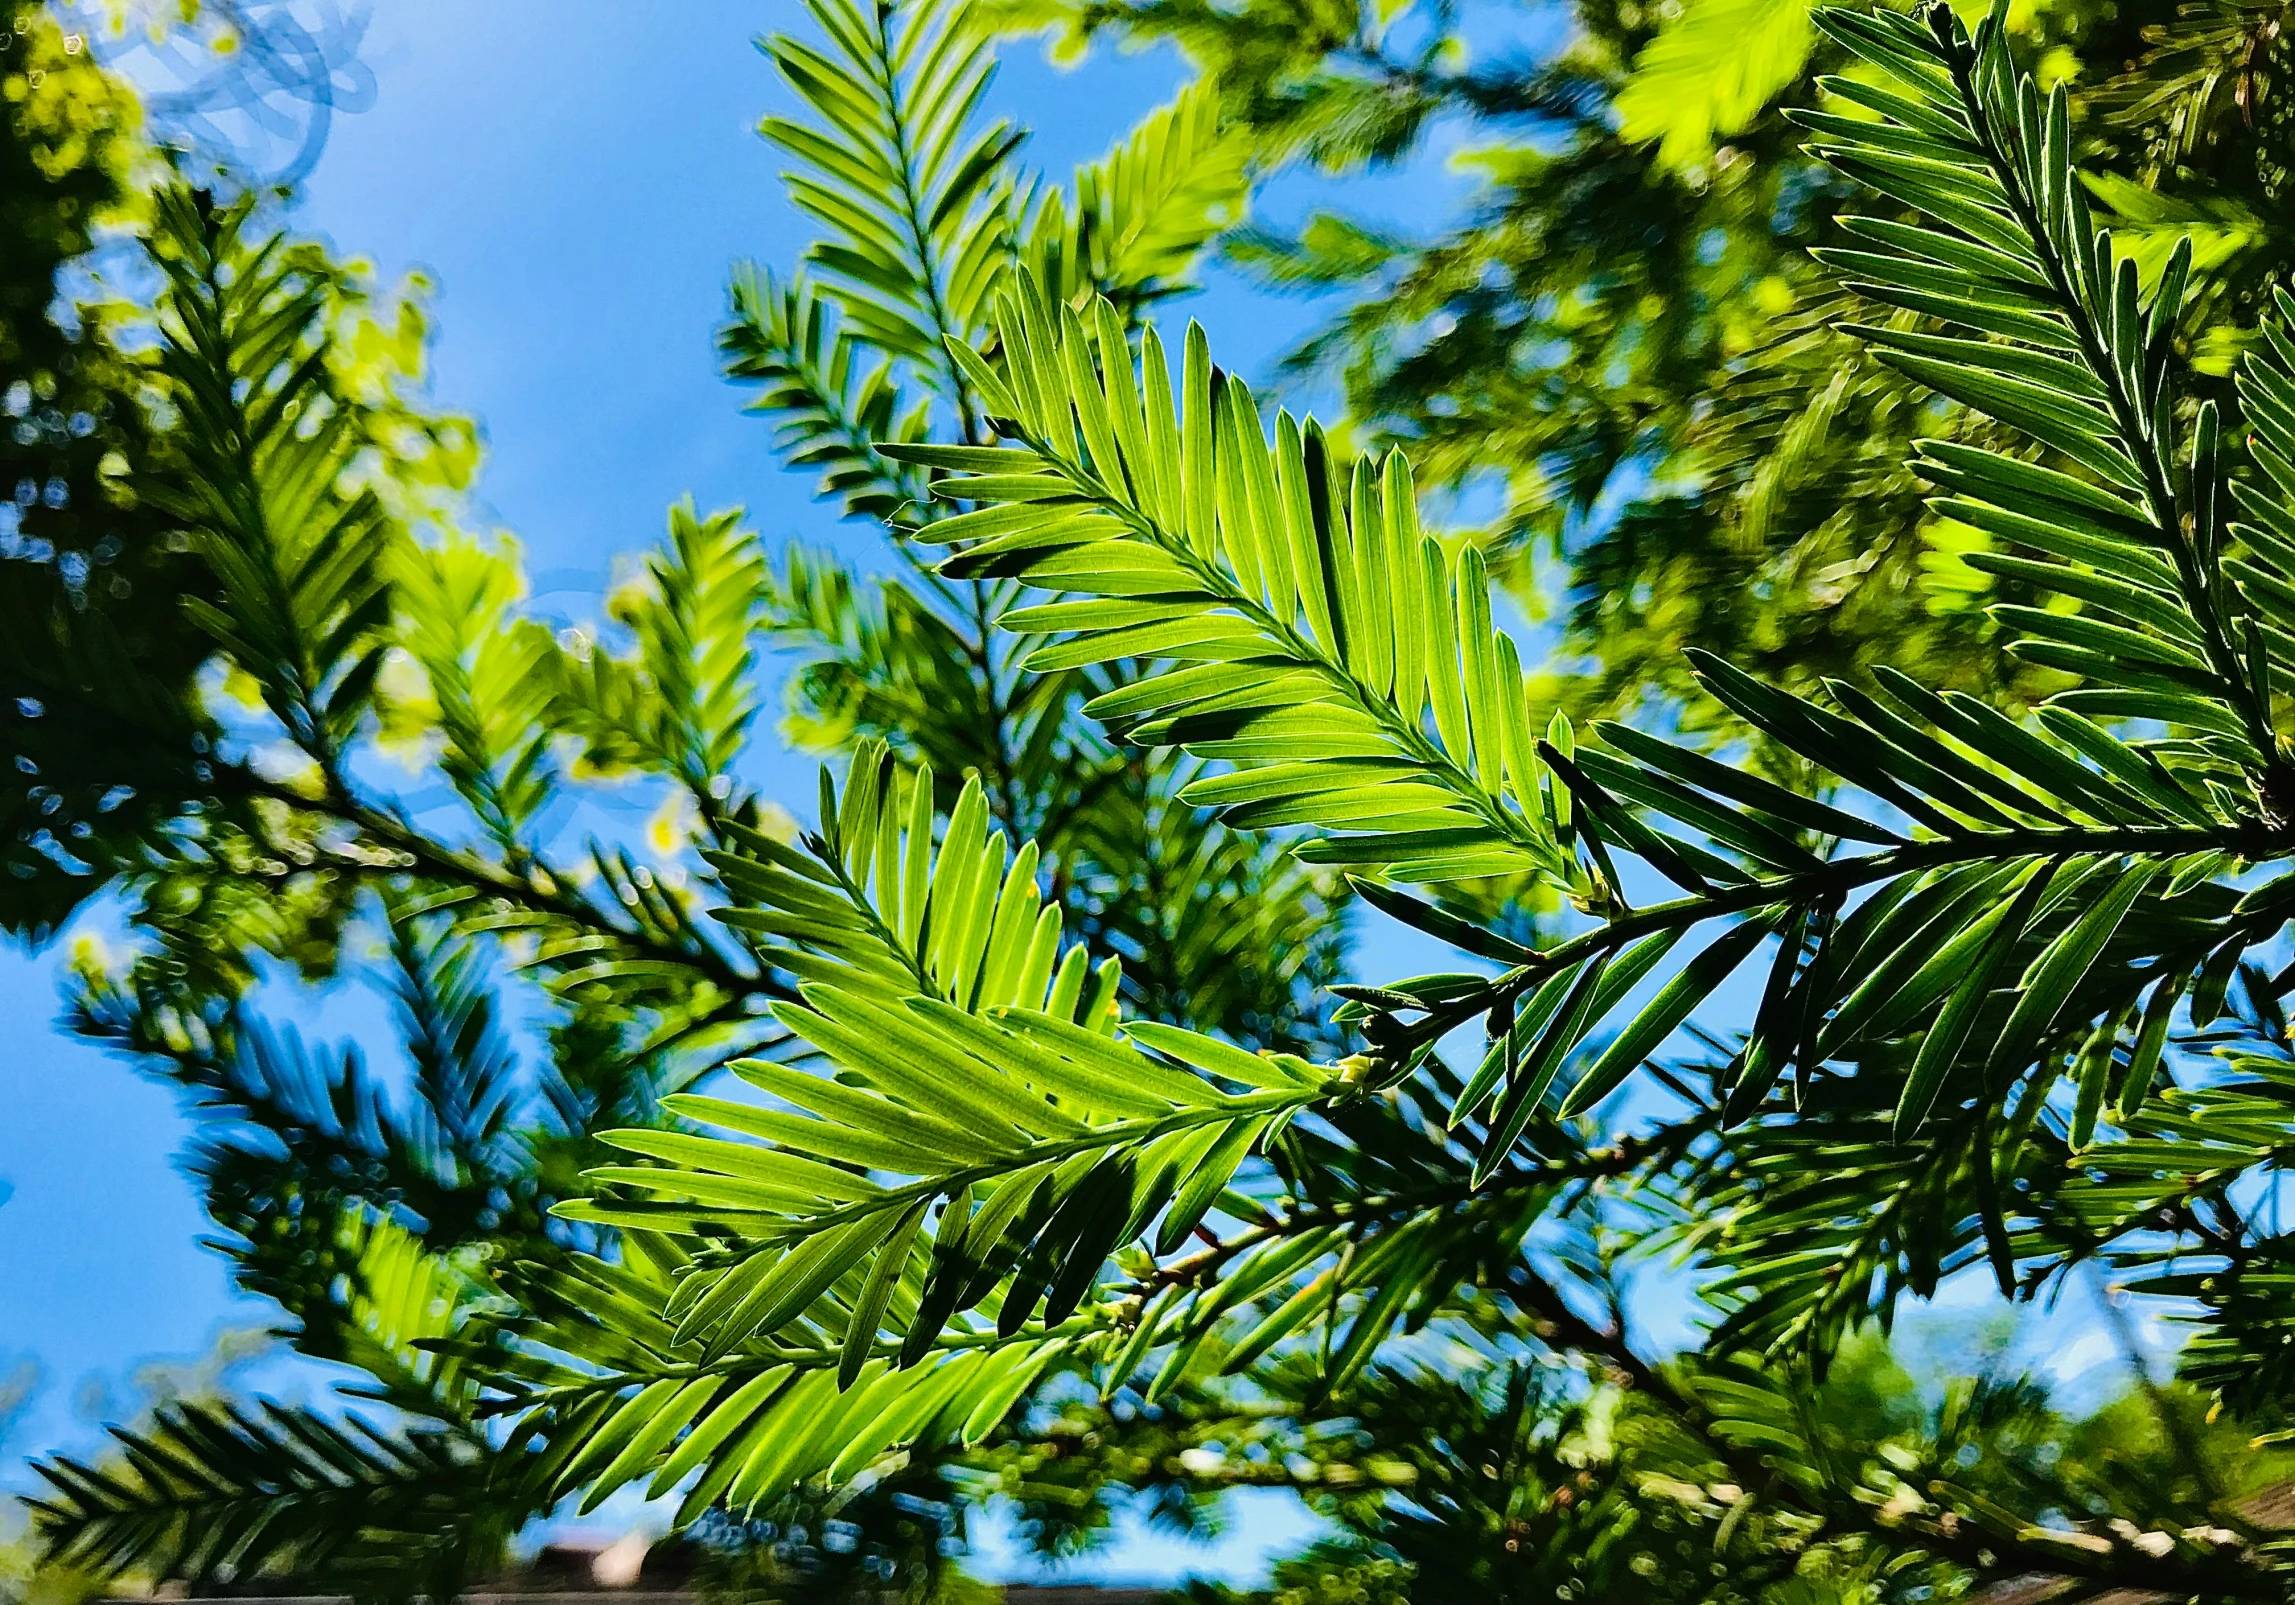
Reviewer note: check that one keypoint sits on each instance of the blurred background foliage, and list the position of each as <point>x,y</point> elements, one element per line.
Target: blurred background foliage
<point>1615,368</point>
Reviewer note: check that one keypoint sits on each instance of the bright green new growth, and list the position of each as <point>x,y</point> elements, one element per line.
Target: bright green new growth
<point>993,1141</point>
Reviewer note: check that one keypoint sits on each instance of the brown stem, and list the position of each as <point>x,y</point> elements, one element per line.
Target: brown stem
<point>535,892</point>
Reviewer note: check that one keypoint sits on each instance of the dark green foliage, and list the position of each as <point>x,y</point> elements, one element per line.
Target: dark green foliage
<point>1455,1472</point>
<point>211,1490</point>
<point>95,653</point>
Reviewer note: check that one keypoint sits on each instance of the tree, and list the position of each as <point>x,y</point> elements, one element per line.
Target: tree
<point>1625,346</point>
<point>288,512</point>
<point>1991,951</point>
<point>1966,1005</point>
